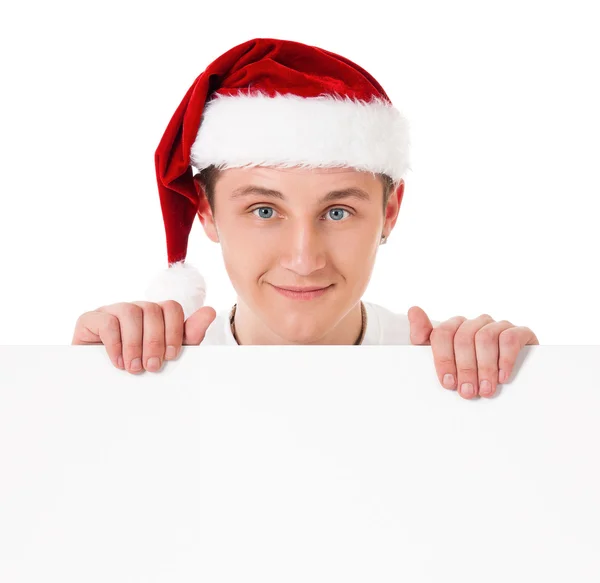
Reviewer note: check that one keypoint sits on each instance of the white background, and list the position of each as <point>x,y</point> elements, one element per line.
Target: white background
<point>500,213</point>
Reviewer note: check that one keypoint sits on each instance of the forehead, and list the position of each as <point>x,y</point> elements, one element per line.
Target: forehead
<point>299,175</point>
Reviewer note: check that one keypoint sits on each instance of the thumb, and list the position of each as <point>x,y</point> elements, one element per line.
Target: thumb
<point>420,326</point>
<point>194,328</point>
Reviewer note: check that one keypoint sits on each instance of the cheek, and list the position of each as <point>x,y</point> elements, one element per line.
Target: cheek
<point>355,254</point>
<point>246,257</point>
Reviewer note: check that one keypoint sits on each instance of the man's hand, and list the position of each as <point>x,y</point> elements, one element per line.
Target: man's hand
<point>481,352</point>
<point>142,335</point>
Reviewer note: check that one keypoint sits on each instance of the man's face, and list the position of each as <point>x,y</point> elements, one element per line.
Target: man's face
<point>311,235</point>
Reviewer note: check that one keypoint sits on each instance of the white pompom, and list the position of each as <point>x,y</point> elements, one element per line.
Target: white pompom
<point>180,282</point>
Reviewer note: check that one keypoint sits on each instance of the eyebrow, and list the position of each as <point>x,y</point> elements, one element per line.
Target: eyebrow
<point>352,192</point>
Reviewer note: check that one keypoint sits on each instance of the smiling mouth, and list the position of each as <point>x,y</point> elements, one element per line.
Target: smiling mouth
<point>302,293</point>
<point>301,289</point>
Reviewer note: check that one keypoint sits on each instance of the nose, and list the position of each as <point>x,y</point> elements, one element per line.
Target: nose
<point>302,247</point>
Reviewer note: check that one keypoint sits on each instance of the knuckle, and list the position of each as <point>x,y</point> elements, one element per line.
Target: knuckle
<point>111,323</point>
<point>153,310</point>
<point>467,371</point>
<point>173,306</point>
<point>132,347</point>
<point>509,339</point>
<point>445,362</point>
<point>174,334</point>
<point>485,336</point>
<point>486,372</point>
<point>154,343</point>
<point>84,318</point>
<point>442,331</point>
<point>131,311</point>
<point>463,341</point>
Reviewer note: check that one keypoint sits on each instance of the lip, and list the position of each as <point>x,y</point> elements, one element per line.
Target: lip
<point>302,293</point>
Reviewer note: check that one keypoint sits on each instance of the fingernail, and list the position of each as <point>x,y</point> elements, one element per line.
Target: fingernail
<point>485,387</point>
<point>467,389</point>
<point>153,363</point>
<point>171,352</point>
<point>136,364</point>
<point>502,376</point>
<point>448,380</point>
<point>120,361</point>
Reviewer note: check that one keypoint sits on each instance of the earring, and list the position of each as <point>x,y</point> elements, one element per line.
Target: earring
<point>383,240</point>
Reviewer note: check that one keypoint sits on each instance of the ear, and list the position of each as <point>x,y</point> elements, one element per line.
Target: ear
<point>393,208</point>
<point>205,213</point>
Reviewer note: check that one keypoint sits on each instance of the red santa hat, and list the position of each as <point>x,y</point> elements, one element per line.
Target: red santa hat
<point>274,103</point>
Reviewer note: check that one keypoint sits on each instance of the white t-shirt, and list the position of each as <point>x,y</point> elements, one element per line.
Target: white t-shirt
<point>383,327</point>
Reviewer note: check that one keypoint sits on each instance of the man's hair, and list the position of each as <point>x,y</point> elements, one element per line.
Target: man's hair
<point>209,176</point>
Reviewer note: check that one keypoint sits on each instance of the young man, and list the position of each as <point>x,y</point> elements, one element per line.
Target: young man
<point>301,157</point>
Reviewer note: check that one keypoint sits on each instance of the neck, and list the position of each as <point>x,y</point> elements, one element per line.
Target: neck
<point>251,329</point>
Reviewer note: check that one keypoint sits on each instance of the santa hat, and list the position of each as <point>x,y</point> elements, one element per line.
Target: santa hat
<point>274,103</point>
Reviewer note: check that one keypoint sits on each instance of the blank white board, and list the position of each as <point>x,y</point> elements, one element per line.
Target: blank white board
<point>296,464</point>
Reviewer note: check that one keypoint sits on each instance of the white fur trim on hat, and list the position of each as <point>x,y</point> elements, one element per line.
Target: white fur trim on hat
<point>180,282</point>
<point>288,130</point>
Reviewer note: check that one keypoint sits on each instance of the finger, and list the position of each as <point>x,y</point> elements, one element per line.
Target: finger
<point>511,342</point>
<point>100,328</point>
<point>487,350</point>
<point>442,345</point>
<point>174,318</point>
<point>130,318</point>
<point>466,355</point>
<point>153,337</point>
<point>420,326</point>
<point>196,325</point>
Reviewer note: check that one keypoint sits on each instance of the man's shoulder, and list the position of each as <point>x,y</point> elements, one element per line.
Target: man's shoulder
<point>219,331</point>
<point>385,326</point>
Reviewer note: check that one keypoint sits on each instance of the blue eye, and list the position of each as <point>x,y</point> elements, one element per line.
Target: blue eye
<point>266,212</point>
<point>262,210</point>
<point>338,214</point>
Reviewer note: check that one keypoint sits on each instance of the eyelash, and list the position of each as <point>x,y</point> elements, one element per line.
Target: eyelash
<point>337,208</point>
